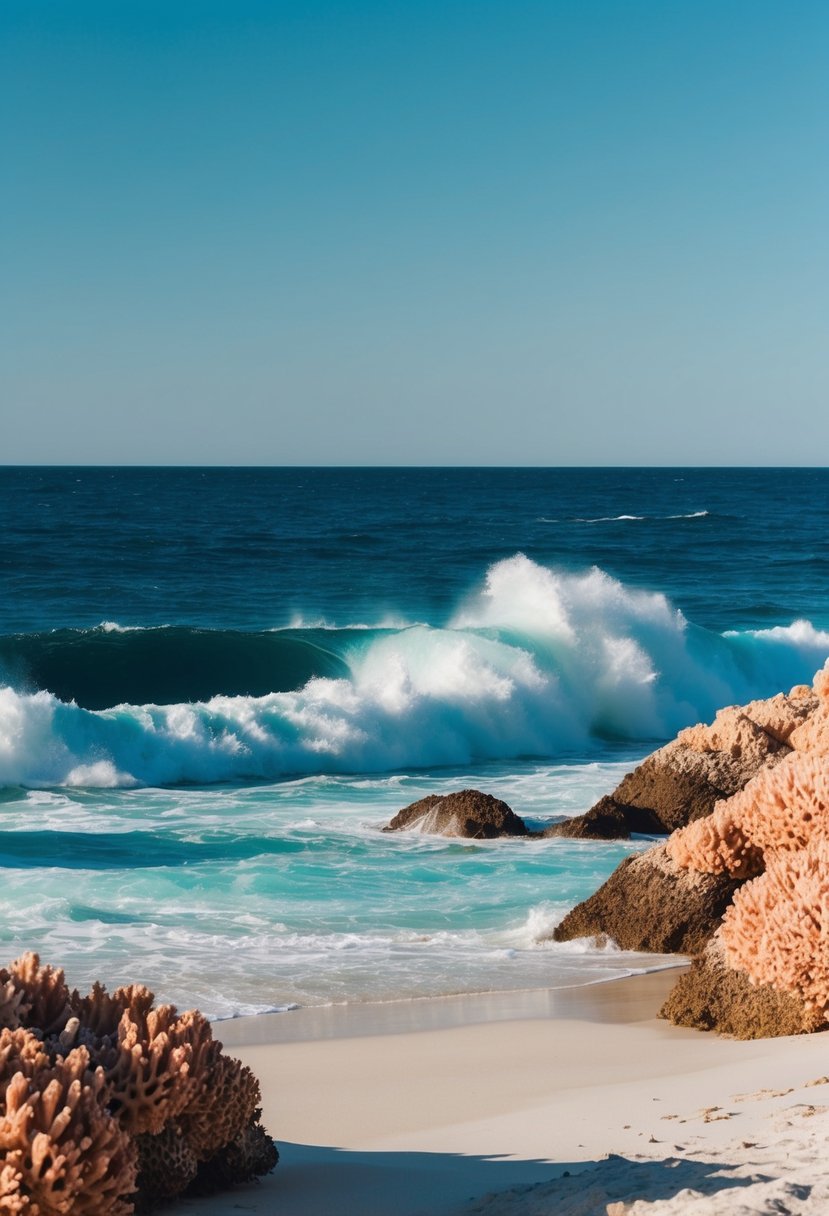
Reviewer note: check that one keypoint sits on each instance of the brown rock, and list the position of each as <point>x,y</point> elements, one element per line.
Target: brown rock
<point>649,903</point>
<point>713,996</point>
<point>467,813</point>
<point>604,821</point>
<point>705,764</point>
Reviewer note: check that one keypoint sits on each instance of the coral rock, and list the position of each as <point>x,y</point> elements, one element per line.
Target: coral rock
<point>468,813</point>
<point>13,1005</point>
<point>777,928</point>
<point>88,1085</point>
<point>44,997</point>
<point>781,809</point>
<point>683,780</point>
<point>813,734</point>
<point>252,1154</point>
<point>62,1149</point>
<point>166,1164</point>
<point>222,1107</point>
<point>20,1051</point>
<point>148,1068</point>
<point>100,1011</point>
<point>716,845</point>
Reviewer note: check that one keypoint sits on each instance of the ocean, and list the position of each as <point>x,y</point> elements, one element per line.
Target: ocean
<point>217,685</point>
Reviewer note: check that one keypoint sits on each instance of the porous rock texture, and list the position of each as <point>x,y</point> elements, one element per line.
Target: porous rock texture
<point>711,995</point>
<point>650,903</point>
<point>109,1104</point>
<point>468,813</point>
<point>765,849</point>
<point>682,781</point>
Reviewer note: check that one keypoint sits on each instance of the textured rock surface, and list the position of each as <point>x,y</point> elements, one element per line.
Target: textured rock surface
<point>468,813</point>
<point>604,821</point>
<point>713,996</point>
<point>649,903</point>
<point>767,969</point>
<point>682,781</point>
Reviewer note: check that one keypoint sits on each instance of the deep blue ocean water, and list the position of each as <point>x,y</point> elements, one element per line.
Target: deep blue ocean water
<point>217,685</point>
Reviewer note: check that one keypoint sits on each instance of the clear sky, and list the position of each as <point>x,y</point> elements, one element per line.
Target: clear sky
<point>420,232</point>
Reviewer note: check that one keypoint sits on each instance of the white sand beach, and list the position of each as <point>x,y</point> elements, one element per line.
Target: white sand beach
<point>576,1102</point>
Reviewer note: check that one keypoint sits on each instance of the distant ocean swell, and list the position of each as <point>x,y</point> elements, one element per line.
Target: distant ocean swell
<point>536,663</point>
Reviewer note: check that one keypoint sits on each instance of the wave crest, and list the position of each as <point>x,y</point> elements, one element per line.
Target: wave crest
<point>537,663</point>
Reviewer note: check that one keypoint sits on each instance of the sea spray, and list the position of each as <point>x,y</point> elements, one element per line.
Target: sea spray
<point>537,662</point>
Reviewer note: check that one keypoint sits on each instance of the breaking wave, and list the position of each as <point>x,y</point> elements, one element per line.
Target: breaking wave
<point>536,663</point>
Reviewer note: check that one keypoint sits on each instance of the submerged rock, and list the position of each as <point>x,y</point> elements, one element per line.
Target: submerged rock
<point>650,903</point>
<point>468,813</point>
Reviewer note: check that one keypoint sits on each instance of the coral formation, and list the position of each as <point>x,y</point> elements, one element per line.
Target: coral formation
<point>108,1104</point>
<point>761,851</point>
<point>716,845</point>
<point>63,1151</point>
<point>781,809</point>
<point>776,829</point>
<point>777,928</point>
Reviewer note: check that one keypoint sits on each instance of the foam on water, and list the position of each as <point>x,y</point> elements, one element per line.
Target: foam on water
<point>297,654</point>
<point>538,662</point>
<point>247,899</point>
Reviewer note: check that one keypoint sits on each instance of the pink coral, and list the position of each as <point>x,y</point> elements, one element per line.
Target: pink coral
<point>777,930</point>
<point>44,991</point>
<point>782,808</point>
<point>785,807</point>
<point>821,682</point>
<point>717,844</point>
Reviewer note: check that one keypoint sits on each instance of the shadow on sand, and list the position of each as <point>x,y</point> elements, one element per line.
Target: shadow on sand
<point>314,1180</point>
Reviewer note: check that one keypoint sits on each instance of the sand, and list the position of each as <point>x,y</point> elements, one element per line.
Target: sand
<point>574,1103</point>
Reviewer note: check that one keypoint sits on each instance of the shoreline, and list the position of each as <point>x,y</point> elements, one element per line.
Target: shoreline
<point>621,998</point>
<point>388,1120</point>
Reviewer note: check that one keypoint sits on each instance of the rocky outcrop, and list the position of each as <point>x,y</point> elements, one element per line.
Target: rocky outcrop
<point>762,855</point>
<point>676,785</point>
<point>650,903</point>
<point>468,813</point>
<point>604,821</point>
<point>682,781</point>
<point>711,995</point>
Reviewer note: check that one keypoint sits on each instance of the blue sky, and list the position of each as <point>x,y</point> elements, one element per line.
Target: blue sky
<point>415,233</point>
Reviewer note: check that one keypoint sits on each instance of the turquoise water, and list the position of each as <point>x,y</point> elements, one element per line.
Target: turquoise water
<point>216,686</point>
<point>260,897</point>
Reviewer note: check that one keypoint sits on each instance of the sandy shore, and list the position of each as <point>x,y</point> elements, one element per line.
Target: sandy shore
<point>431,1106</point>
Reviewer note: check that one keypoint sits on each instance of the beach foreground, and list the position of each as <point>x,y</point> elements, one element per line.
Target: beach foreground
<point>571,1102</point>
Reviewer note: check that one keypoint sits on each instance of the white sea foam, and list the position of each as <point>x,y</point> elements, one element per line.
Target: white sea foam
<point>608,519</point>
<point>537,662</point>
<point>615,519</point>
